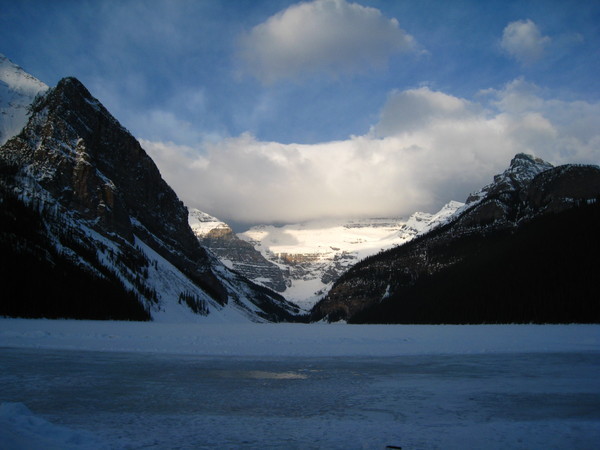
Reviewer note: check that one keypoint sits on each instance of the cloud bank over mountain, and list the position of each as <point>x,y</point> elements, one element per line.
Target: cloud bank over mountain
<point>427,148</point>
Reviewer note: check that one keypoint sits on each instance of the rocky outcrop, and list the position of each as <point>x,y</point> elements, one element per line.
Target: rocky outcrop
<point>521,171</point>
<point>235,253</point>
<point>560,188</point>
<point>502,200</point>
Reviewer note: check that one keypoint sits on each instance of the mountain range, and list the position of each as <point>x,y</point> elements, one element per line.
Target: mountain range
<point>89,229</point>
<point>302,261</point>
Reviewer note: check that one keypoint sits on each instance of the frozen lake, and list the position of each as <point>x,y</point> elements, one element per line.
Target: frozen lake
<point>145,400</point>
<point>94,385</point>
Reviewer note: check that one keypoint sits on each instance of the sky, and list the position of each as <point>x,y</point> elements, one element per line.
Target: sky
<point>277,111</point>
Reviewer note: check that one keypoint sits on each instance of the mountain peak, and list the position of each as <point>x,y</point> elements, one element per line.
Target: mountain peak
<point>70,98</point>
<point>522,169</point>
<point>526,165</point>
<point>71,86</point>
<point>68,81</point>
<point>16,79</point>
<point>18,89</point>
<point>80,154</point>
<point>102,193</point>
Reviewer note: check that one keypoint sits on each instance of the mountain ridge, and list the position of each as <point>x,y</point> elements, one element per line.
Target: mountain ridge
<point>455,273</point>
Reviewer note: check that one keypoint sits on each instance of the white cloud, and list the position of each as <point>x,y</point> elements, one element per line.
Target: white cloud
<point>406,163</point>
<point>558,130</point>
<point>523,41</point>
<point>330,36</point>
<point>412,109</point>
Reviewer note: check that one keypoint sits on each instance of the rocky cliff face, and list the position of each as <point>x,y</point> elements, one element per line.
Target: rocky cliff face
<point>448,274</point>
<point>502,201</point>
<point>561,188</point>
<point>77,164</point>
<point>521,171</point>
<point>235,253</point>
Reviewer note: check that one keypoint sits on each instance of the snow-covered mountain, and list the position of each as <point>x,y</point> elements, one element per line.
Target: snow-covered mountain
<point>307,258</point>
<point>522,249</point>
<point>89,229</point>
<point>235,253</point>
<point>17,91</point>
<point>313,255</point>
<point>523,168</point>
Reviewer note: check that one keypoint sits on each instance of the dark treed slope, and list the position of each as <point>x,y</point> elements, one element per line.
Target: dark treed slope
<point>524,249</point>
<point>39,280</point>
<point>86,219</point>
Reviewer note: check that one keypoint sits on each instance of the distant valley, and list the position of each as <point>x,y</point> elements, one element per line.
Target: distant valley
<point>302,261</point>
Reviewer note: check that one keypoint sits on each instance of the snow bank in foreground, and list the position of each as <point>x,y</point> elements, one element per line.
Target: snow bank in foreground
<point>296,339</point>
<point>21,429</point>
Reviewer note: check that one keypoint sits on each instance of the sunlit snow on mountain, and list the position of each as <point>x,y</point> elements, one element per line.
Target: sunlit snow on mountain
<point>310,255</point>
<point>17,91</point>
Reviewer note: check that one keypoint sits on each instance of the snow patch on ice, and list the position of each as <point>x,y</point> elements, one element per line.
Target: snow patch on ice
<point>21,429</point>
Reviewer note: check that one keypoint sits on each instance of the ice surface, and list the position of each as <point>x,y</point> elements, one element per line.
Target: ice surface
<point>287,340</point>
<point>160,385</point>
<point>21,429</point>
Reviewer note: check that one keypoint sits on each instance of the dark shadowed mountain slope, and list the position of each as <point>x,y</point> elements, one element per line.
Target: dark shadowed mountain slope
<point>523,249</point>
<point>101,211</point>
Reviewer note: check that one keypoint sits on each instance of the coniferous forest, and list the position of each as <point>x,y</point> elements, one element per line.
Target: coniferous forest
<point>39,281</point>
<point>545,271</point>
